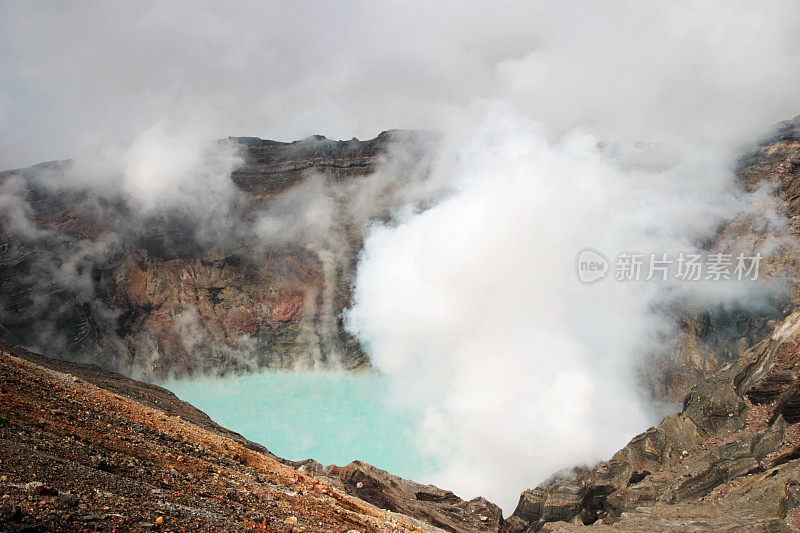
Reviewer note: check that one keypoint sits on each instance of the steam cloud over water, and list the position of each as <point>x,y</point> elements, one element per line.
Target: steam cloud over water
<point>474,309</point>
<point>466,297</point>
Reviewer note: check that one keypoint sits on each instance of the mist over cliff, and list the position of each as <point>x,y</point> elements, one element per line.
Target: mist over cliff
<point>179,258</point>
<point>160,250</point>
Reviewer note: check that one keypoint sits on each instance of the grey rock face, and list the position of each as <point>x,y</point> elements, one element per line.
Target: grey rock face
<point>730,458</point>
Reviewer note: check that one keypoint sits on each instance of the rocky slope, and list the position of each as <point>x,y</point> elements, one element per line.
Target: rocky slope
<point>729,461</point>
<point>83,449</point>
<point>428,503</point>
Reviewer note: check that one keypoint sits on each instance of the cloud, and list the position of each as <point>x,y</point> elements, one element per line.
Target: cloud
<point>162,170</point>
<point>631,70</point>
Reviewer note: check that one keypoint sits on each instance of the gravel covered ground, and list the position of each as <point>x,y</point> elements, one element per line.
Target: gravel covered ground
<point>82,449</point>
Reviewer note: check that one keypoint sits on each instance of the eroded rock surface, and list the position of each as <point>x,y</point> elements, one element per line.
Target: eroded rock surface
<point>153,299</point>
<point>709,338</point>
<point>730,460</point>
<point>428,503</point>
<point>84,274</point>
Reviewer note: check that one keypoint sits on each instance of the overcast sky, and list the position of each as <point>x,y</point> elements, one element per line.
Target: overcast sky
<point>78,76</point>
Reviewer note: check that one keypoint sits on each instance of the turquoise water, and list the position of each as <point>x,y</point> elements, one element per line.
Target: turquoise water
<point>333,417</point>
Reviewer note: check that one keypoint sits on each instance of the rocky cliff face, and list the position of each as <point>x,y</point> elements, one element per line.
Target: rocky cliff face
<point>84,274</point>
<point>730,460</point>
<point>272,167</point>
<point>709,338</point>
<point>87,276</point>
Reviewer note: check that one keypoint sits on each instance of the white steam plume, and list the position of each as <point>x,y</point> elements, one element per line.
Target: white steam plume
<point>474,311</point>
<point>473,308</point>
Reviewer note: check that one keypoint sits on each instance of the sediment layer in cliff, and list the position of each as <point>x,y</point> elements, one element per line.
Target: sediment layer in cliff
<point>730,460</point>
<point>156,296</point>
<point>155,300</point>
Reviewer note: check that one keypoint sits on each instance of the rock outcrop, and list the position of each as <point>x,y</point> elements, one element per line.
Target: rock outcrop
<point>730,460</point>
<point>272,167</point>
<point>428,503</point>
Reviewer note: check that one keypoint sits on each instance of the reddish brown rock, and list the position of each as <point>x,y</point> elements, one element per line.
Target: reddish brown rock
<point>84,449</point>
<point>287,308</point>
<point>164,301</point>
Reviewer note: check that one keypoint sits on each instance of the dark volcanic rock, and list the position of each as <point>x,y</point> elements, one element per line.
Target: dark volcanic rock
<point>729,460</point>
<point>432,505</point>
<point>271,167</point>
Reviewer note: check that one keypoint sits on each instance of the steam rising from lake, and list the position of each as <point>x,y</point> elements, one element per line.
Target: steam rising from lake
<point>473,309</point>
